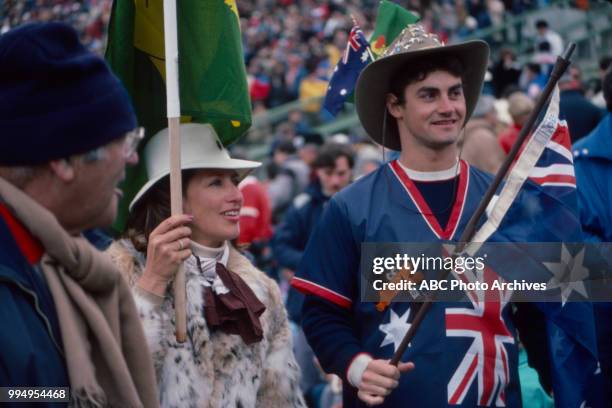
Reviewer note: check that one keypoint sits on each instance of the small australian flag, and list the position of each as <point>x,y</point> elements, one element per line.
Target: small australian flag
<point>342,83</point>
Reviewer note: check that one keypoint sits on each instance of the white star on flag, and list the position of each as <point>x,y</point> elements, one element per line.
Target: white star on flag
<point>568,275</point>
<point>396,329</point>
<point>364,56</point>
<point>343,92</point>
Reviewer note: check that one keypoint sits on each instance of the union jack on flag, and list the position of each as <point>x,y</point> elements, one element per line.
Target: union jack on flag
<point>555,168</point>
<point>486,361</point>
<point>356,57</point>
<point>538,203</point>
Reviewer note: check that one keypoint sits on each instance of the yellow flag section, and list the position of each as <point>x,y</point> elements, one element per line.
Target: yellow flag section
<point>149,32</point>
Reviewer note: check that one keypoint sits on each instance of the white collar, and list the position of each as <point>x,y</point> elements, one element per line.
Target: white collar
<point>441,175</point>
<point>220,254</point>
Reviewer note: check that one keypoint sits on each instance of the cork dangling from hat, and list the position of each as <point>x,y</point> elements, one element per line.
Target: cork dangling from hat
<point>413,44</point>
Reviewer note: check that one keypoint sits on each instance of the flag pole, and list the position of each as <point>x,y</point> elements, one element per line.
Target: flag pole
<point>563,61</point>
<point>174,113</point>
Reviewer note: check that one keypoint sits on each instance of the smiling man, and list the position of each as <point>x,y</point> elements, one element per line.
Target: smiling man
<point>416,99</point>
<point>68,131</point>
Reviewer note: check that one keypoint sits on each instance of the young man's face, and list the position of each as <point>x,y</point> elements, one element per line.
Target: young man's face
<point>432,112</point>
<point>336,178</point>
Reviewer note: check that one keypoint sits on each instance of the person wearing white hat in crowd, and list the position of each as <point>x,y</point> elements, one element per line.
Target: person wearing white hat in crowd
<point>238,351</point>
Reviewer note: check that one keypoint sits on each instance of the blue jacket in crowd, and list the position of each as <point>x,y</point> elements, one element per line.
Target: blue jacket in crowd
<point>593,166</point>
<point>31,352</point>
<point>580,114</point>
<point>292,235</point>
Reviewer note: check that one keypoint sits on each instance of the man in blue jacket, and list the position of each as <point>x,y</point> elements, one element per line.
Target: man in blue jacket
<point>593,166</point>
<point>68,131</point>
<point>333,168</point>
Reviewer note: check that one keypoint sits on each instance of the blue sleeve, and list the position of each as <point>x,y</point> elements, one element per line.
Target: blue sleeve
<point>288,241</point>
<point>328,275</point>
<point>329,267</point>
<point>329,331</point>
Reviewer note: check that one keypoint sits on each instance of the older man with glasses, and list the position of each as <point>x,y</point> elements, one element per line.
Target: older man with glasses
<point>67,131</point>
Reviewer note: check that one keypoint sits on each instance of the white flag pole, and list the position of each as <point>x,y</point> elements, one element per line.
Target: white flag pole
<point>174,113</point>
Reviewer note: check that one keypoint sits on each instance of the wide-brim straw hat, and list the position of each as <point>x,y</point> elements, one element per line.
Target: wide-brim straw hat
<point>200,149</point>
<point>413,44</point>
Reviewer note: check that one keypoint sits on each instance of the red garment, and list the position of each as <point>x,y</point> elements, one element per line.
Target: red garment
<point>255,214</point>
<point>508,137</point>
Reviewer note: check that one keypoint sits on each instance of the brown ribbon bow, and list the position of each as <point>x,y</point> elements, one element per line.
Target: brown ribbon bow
<point>235,312</point>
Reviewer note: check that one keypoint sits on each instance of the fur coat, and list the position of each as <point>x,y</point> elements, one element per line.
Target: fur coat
<point>215,369</point>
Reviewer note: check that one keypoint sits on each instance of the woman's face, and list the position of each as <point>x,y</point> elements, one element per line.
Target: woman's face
<point>214,200</point>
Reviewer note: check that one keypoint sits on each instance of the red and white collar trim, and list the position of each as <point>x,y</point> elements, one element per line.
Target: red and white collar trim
<point>441,175</point>
<point>423,207</point>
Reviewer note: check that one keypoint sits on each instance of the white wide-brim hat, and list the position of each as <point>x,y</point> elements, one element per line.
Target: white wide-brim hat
<point>200,149</point>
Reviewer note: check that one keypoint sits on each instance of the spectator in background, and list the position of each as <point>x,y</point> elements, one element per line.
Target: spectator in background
<point>300,125</point>
<point>288,175</point>
<point>479,145</point>
<point>312,89</point>
<point>598,99</point>
<point>255,214</point>
<point>279,92</point>
<point>294,73</point>
<point>519,107</point>
<point>593,165</point>
<point>506,72</point>
<point>308,147</point>
<point>544,33</point>
<point>368,158</point>
<point>533,80</point>
<point>581,115</point>
<point>333,167</point>
<point>544,57</point>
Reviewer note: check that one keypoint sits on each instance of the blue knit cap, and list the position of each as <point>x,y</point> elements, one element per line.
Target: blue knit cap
<point>57,98</point>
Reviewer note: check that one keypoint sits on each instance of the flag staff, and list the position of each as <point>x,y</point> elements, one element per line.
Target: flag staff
<point>563,61</point>
<point>173,104</point>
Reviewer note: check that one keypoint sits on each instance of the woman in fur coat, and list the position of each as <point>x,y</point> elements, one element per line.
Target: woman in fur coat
<point>238,350</point>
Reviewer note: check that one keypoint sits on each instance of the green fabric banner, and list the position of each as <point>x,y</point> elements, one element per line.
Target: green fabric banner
<point>212,76</point>
<point>390,21</point>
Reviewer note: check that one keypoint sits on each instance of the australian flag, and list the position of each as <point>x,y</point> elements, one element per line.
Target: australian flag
<point>356,57</point>
<point>538,203</point>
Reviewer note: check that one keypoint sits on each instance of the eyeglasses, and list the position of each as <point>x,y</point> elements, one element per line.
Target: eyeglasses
<point>131,140</point>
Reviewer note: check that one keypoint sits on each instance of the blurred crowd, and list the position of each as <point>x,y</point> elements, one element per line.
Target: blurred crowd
<point>290,47</point>
<point>89,17</point>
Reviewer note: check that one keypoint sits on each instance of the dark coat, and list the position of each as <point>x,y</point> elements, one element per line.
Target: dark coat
<point>292,235</point>
<point>581,115</point>
<point>31,353</point>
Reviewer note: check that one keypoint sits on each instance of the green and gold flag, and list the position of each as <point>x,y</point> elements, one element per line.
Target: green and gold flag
<point>390,21</point>
<point>212,76</point>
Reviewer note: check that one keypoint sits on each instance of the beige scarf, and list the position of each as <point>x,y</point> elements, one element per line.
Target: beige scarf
<point>105,348</point>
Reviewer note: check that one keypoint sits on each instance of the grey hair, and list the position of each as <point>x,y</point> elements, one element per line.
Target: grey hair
<point>19,176</point>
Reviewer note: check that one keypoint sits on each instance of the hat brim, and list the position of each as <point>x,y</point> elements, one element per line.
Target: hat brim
<point>243,167</point>
<point>373,85</point>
